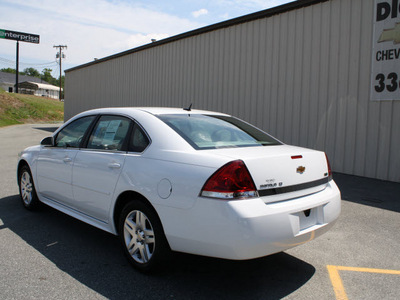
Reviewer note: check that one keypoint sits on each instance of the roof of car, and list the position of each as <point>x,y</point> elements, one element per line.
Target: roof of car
<point>151,110</point>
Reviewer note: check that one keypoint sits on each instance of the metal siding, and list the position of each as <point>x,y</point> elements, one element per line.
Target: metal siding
<point>260,75</point>
<point>343,83</point>
<point>297,71</point>
<point>352,111</point>
<point>332,97</point>
<point>394,152</point>
<point>302,76</point>
<point>281,74</point>
<point>274,88</point>
<point>323,75</point>
<point>253,73</point>
<point>267,80</point>
<point>305,105</point>
<point>289,77</point>
<point>315,83</point>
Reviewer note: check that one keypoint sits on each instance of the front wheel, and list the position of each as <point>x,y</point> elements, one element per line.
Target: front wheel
<point>27,189</point>
<point>142,236</point>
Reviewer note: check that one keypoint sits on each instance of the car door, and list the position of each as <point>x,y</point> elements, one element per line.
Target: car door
<point>54,164</point>
<point>97,167</point>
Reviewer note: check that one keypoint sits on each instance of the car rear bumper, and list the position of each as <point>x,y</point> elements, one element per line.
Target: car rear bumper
<point>246,229</point>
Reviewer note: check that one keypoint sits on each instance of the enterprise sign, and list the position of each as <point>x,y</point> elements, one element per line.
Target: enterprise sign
<point>19,36</point>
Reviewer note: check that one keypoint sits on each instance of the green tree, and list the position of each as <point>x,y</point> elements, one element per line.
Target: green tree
<point>32,72</point>
<point>11,70</point>
<point>46,76</point>
<point>8,70</point>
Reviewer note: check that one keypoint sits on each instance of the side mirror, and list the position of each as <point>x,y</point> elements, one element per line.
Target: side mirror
<point>47,142</point>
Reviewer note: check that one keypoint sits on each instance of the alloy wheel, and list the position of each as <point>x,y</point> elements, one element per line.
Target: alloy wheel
<point>26,186</point>
<point>139,236</point>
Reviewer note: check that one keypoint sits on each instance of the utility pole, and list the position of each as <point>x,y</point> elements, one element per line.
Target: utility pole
<point>17,69</point>
<point>60,55</point>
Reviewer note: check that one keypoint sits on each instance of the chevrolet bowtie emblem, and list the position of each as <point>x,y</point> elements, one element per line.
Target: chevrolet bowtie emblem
<point>392,34</point>
<point>301,169</point>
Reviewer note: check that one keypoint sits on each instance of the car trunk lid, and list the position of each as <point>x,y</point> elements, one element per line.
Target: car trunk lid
<point>283,172</point>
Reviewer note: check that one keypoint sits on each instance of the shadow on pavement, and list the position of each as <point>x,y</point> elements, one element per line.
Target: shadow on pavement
<point>368,191</point>
<point>95,259</point>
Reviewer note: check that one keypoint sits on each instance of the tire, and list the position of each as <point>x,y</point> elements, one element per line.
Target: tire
<point>27,189</point>
<point>142,236</point>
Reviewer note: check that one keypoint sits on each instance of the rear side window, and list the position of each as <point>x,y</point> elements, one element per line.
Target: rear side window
<point>139,140</point>
<point>212,132</point>
<point>109,133</point>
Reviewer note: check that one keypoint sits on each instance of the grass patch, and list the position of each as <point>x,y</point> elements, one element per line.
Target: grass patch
<point>21,108</point>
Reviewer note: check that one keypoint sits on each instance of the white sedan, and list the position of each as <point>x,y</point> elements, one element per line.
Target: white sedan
<point>185,180</point>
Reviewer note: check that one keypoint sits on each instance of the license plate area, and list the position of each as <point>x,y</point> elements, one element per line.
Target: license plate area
<point>308,218</point>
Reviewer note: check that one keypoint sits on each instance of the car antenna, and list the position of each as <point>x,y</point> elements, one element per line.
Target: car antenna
<point>189,108</point>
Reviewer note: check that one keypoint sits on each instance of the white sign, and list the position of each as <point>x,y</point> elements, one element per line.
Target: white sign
<point>385,76</point>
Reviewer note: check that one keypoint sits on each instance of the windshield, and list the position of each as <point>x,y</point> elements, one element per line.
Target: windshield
<point>212,132</point>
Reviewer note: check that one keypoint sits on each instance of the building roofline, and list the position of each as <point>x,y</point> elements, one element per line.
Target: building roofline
<point>232,22</point>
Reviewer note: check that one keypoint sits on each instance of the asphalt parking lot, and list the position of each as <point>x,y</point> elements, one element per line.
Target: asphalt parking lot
<point>48,255</point>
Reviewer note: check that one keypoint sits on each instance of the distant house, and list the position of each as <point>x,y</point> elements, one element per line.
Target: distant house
<point>28,85</point>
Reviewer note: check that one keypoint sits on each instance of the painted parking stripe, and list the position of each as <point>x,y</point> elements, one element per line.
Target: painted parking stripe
<point>337,282</point>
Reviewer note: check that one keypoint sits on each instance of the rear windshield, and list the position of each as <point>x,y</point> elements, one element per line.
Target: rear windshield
<point>212,132</point>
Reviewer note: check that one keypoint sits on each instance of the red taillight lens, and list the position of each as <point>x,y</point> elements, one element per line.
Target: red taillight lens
<point>297,156</point>
<point>232,181</point>
<point>329,167</point>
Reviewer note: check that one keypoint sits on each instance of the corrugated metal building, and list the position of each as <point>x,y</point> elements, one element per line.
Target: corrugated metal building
<point>301,71</point>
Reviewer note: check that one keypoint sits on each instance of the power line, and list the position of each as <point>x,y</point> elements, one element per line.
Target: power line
<point>25,63</point>
<point>54,63</point>
<point>55,71</point>
<point>39,65</point>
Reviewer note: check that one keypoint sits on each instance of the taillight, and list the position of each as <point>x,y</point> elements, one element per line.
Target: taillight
<point>232,181</point>
<point>329,168</point>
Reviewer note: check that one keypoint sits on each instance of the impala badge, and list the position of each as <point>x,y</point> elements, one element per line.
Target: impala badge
<point>301,169</point>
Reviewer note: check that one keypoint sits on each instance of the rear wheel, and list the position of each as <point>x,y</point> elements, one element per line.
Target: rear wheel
<point>142,236</point>
<point>27,189</point>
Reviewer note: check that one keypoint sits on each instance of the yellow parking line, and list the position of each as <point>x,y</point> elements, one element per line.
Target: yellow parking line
<point>368,270</point>
<point>337,282</point>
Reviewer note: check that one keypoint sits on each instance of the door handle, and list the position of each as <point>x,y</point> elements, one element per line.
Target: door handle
<point>114,165</point>
<point>67,159</point>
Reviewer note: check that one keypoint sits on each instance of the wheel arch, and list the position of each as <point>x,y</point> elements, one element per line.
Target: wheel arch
<point>126,197</point>
<point>21,164</point>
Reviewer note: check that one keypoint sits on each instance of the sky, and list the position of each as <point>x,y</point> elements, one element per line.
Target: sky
<point>99,28</point>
